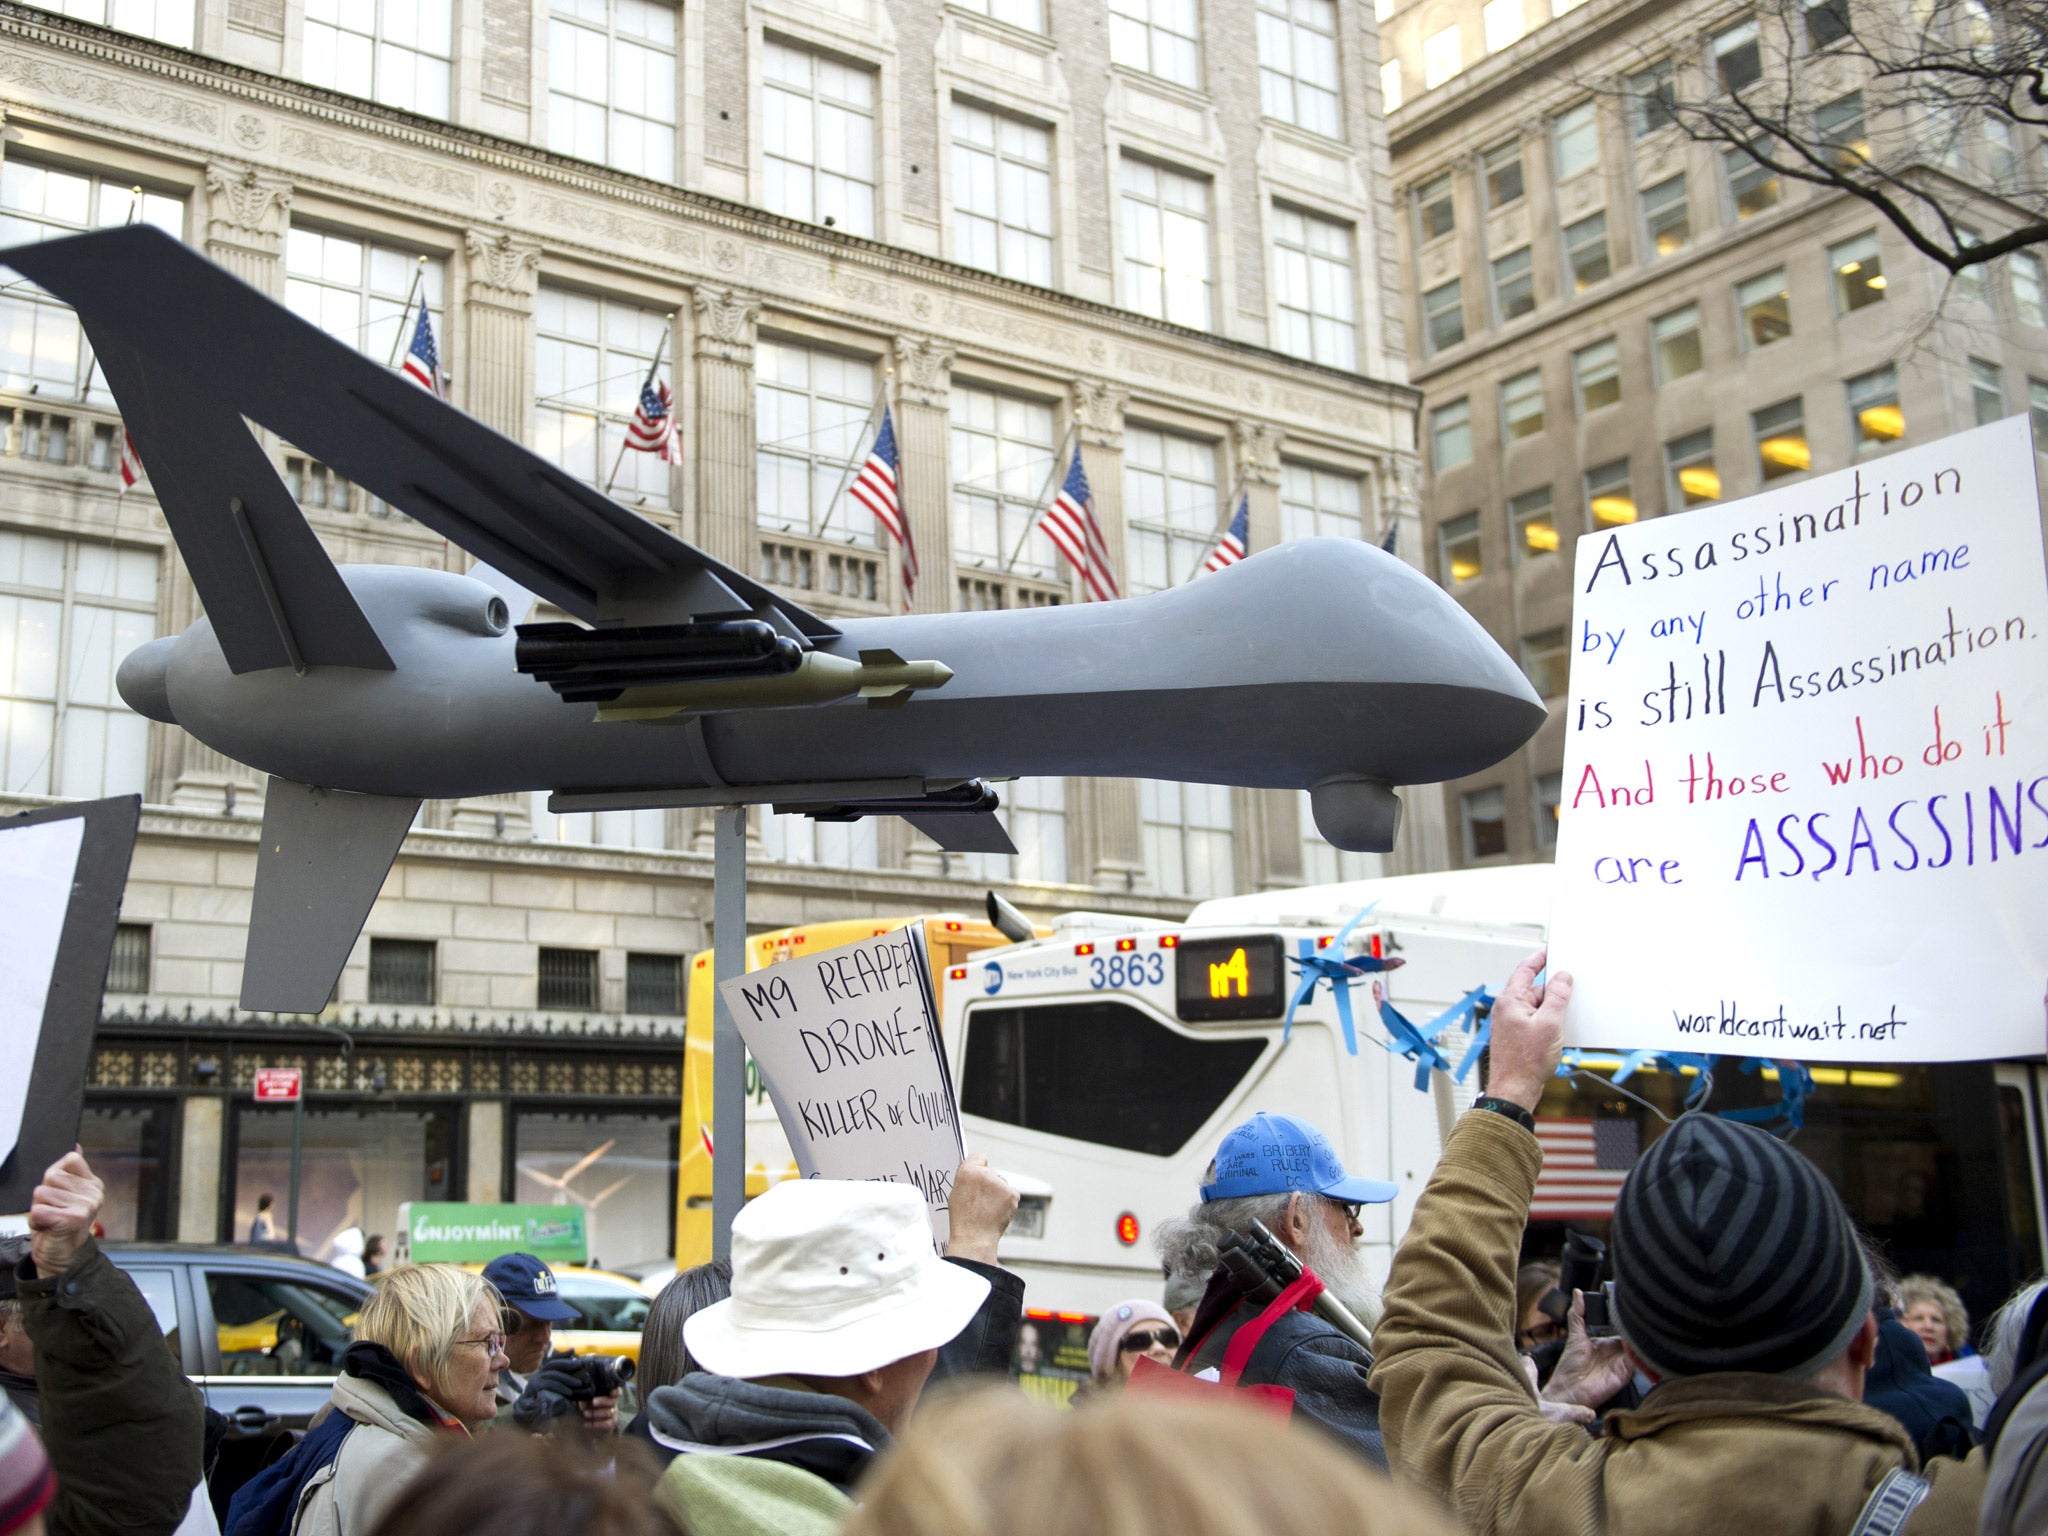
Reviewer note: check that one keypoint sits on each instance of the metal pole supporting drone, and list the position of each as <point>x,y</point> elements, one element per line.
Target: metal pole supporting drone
<point>728,1052</point>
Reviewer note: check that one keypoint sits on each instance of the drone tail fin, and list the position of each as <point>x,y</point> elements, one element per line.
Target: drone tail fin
<point>323,860</point>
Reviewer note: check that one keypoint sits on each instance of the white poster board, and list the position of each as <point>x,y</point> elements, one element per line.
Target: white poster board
<point>847,1042</point>
<point>1805,793</point>
<point>35,899</point>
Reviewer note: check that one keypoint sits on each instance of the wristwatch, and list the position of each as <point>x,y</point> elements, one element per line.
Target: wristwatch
<point>1508,1107</point>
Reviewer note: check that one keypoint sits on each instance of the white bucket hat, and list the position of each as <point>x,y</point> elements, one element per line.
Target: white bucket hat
<point>832,1278</point>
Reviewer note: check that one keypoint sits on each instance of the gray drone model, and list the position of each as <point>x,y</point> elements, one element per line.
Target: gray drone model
<point>1323,665</point>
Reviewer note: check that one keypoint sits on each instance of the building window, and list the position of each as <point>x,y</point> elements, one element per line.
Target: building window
<point>1609,500</point>
<point>1521,405</point>
<point>393,51</point>
<point>612,84</point>
<point>167,21</point>
<point>1028,14</point>
<point>654,984</point>
<point>599,829</point>
<point>1780,432</point>
<point>1312,288</point>
<point>1443,315</point>
<point>1188,837</point>
<point>1298,64</point>
<point>1596,375</point>
<point>401,971</point>
<point>1503,24</point>
<point>1442,57</point>
<point>363,293</point>
<point>1753,186</point>
<point>1970,282</point>
<point>1827,21</point>
<point>1689,464</point>
<point>1436,209</point>
<point>1171,511</point>
<point>1450,435</point>
<point>1875,420</point>
<point>1532,525</point>
<point>1858,272</point>
<point>1675,344</point>
<point>1738,61</point>
<point>811,407</point>
<point>2001,152</point>
<point>69,614</point>
<point>1319,503</point>
<point>1457,549</point>
<point>1503,165</point>
<point>1547,659</point>
<point>1514,285</point>
<point>1577,138</point>
<point>568,979</point>
<point>1002,194</point>
<point>1166,243</point>
<point>622,1163</point>
<point>1035,813</point>
<point>43,351</point>
<point>1002,453</point>
<point>820,844</point>
<point>2029,292</point>
<point>1987,391</point>
<point>1839,127</point>
<point>591,356</point>
<point>1390,85</point>
<point>1322,864</point>
<point>2037,413</point>
<point>1667,216</point>
<point>817,138</point>
<point>1763,305</point>
<point>128,965</point>
<point>1585,252</point>
<point>1548,790</point>
<point>1483,813</point>
<point>1160,37</point>
<point>1652,94</point>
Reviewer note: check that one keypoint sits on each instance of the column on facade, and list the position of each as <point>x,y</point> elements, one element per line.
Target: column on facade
<point>245,227</point>
<point>1113,845</point>
<point>202,1170</point>
<point>494,370</point>
<point>724,356</point>
<point>924,376</point>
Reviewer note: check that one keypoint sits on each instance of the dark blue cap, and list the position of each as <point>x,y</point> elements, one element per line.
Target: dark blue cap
<point>528,1286</point>
<point>1275,1154</point>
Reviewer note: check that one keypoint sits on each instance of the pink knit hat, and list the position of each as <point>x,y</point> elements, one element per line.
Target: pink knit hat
<point>1104,1342</point>
<point>26,1485</point>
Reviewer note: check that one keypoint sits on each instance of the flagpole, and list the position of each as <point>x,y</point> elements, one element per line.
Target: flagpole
<point>419,275</point>
<point>1229,512</point>
<point>1038,509</point>
<point>645,384</point>
<point>846,476</point>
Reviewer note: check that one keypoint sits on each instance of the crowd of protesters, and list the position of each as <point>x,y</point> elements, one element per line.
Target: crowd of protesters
<point>1756,1369</point>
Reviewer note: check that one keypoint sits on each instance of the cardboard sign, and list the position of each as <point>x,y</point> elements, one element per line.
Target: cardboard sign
<point>278,1085</point>
<point>446,1231</point>
<point>1805,793</point>
<point>847,1042</point>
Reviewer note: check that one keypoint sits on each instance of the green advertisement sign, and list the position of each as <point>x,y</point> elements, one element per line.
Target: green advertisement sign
<point>445,1232</point>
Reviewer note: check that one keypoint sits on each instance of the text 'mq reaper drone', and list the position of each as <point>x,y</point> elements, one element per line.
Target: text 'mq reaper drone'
<point>1324,665</point>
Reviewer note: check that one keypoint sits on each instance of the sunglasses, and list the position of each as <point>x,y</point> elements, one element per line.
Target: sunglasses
<point>1132,1343</point>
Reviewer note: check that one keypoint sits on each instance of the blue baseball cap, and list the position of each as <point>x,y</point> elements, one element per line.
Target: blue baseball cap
<point>1277,1154</point>
<point>528,1286</point>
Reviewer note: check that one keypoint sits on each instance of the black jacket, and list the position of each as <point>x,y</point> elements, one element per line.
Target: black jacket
<point>122,1426</point>
<point>1900,1382</point>
<point>1324,1368</point>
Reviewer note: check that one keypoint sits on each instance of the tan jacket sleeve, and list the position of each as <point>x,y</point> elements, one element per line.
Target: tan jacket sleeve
<point>1457,1411</point>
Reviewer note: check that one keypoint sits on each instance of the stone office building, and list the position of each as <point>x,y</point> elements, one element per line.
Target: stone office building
<point>1156,229</point>
<point>1610,322</point>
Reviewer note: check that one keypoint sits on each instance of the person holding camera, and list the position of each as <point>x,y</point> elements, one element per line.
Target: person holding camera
<point>1740,1291</point>
<point>538,1389</point>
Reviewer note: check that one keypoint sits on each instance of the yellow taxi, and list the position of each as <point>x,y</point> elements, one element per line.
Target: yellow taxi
<point>611,1309</point>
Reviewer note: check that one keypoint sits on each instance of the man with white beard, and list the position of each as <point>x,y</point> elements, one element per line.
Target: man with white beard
<point>1282,1171</point>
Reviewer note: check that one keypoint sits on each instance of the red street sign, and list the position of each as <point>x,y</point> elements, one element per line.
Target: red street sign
<point>278,1085</point>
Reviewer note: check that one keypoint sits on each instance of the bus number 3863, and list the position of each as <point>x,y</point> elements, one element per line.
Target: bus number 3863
<point>1126,970</point>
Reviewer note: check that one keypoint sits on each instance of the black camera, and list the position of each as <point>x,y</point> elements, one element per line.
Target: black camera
<point>602,1376</point>
<point>1584,1258</point>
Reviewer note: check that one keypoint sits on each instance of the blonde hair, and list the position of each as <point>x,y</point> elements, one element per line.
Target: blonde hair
<point>1954,1317</point>
<point>988,1463</point>
<point>418,1311</point>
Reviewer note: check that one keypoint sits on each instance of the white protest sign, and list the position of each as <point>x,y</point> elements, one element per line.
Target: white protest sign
<point>847,1042</point>
<point>1805,795</point>
<point>34,900</point>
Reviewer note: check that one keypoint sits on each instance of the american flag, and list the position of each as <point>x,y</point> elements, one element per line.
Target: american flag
<point>1393,536</point>
<point>1070,523</point>
<point>131,461</point>
<point>875,488</point>
<point>653,427</point>
<point>1231,547</point>
<point>1584,1162</point>
<point>423,359</point>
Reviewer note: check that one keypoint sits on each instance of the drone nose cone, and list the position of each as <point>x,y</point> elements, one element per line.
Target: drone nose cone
<point>141,679</point>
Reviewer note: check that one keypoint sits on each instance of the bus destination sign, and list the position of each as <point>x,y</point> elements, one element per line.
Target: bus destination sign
<point>1233,978</point>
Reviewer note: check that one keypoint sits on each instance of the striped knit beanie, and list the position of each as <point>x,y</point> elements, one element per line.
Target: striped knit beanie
<point>26,1485</point>
<point>1733,1253</point>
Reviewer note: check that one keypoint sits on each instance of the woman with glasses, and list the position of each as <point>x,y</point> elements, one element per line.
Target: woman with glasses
<point>1128,1332</point>
<point>424,1364</point>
